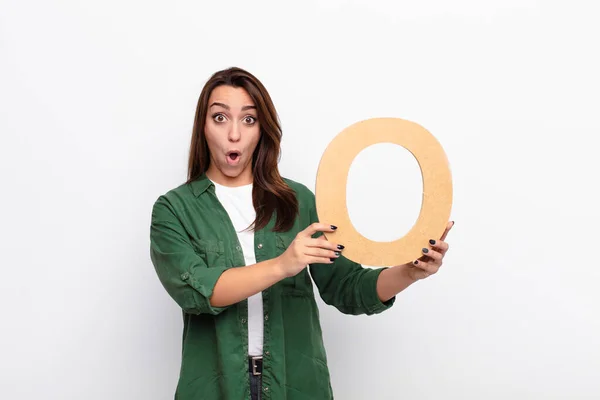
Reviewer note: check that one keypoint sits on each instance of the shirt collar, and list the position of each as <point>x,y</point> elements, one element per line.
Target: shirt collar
<point>201,184</point>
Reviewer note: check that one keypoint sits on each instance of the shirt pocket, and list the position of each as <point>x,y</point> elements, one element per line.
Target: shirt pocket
<point>301,284</point>
<point>212,252</point>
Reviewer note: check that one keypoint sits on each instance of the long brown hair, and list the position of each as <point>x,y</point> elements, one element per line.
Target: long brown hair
<point>270,193</point>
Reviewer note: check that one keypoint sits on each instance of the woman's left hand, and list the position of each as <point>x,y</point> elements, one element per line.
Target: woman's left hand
<point>432,258</point>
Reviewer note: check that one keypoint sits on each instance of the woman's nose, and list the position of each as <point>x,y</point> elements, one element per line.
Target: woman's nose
<point>234,133</point>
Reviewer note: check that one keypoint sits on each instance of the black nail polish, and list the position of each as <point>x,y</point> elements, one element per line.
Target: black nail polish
<point>425,250</point>
<point>341,247</point>
<point>415,262</point>
<point>337,253</point>
<point>332,259</point>
<point>432,241</point>
<point>333,227</point>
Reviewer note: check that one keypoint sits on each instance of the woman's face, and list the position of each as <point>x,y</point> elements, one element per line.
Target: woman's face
<point>232,133</point>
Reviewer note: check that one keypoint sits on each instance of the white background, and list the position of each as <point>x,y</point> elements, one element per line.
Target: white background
<point>97,101</point>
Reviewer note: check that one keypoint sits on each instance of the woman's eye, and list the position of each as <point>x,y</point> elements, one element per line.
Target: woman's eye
<point>250,120</point>
<point>219,118</point>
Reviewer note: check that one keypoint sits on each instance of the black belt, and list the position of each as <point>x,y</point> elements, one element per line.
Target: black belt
<point>255,364</point>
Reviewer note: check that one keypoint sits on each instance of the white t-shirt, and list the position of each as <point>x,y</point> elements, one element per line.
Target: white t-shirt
<point>237,201</point>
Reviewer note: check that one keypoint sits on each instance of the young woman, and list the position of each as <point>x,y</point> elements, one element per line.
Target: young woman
<point>231,246</point>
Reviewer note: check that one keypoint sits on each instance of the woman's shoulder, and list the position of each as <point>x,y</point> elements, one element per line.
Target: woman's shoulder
<point>176,198</point>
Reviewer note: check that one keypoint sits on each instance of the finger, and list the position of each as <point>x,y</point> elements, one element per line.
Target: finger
<point>439,245</point>
<point>448,227</point>
<point>320,260</point>
<point>426,266</point>
<point>434,255</point>
<point>318,227</point>
<point>324,244</point>
<point>318,252</point>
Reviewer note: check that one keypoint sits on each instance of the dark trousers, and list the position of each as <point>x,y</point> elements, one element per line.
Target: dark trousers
<point>255,383</point>
<point>255,370</point>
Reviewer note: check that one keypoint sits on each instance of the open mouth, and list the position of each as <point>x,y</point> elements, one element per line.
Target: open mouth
<point>233,156</point>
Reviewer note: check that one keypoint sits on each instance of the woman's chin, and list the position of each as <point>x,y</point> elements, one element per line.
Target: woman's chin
<point>232,174</point>
<point>233,171</point>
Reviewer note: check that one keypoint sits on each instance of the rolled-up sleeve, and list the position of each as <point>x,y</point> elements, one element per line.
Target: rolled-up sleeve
<point>182,272</point>
<point>349,287</point>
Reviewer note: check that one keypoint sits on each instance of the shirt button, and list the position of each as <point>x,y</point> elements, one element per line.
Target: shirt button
<point>267,352</point>
<point>243,320</point>
<point>266,389</point>
<point>260,245</point>
<point>185,275</point>
<point>238,248</point>
<point>267,317</point>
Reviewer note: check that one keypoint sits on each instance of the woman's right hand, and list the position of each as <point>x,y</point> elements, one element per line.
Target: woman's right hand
<point>305,250</point>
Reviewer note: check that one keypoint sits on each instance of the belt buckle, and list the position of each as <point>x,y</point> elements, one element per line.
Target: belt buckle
<point>254,359</point>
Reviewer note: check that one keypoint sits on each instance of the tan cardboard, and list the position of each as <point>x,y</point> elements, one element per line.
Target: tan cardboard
<point>332,178</point>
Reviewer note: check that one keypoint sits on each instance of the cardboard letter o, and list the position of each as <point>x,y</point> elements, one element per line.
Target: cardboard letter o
<point>332,178</point>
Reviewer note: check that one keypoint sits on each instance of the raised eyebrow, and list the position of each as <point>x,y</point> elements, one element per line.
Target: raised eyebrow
<point>225,106</point>
<point>216,103</point>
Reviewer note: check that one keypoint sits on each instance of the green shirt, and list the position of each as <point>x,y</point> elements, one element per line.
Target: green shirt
<point>192,242</point>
